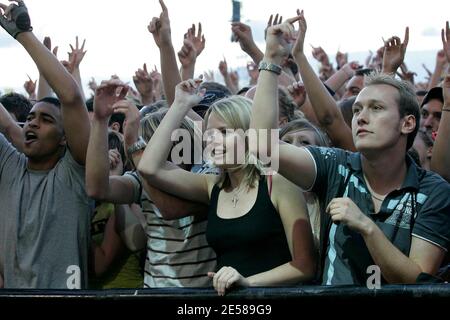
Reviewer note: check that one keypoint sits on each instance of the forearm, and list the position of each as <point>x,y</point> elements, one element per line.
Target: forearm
<point>159,146</point>
<point>265,102</point>
<point>338,79</point>
<point>51,69</point>
<point>440,159</point>
<point>229,84</point>
<point>44,89</point>
<point>282,275</point>
<point>187,72</point>
<point>169,70</point>
<point>77,76</point>
<point>254,53</point>
<point>436,76</point>
<point>97,160</point>
<point>172,207</point>
<point>394,265</point>
<point>11,130</point>
<point>322,102</point>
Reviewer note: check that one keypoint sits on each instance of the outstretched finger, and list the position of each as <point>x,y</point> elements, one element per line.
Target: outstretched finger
<point>82,46</point>
<point>199,30</point>
<point>145,68</point>
<point>163,6</point>
<point>269,23</point>
<point>405,42</point>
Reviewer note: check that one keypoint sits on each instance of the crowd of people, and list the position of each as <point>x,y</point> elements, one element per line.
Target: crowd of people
<point>299,178</point>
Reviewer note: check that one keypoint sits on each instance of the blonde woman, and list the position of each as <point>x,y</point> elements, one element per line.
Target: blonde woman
<point>258,227</point>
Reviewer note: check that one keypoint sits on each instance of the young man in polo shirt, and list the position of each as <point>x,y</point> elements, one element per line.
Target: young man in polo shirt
<point>379,207</point>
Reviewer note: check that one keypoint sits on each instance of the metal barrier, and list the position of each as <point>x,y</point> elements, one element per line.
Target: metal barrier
<point>179,303</point>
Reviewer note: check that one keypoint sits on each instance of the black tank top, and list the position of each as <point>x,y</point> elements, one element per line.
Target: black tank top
<point>253,243</point>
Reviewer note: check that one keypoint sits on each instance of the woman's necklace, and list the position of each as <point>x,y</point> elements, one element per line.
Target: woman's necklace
<point>235,197</point>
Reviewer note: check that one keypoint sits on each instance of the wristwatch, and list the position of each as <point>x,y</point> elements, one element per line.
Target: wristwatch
<point>270,67</point>
<point>138,145</point>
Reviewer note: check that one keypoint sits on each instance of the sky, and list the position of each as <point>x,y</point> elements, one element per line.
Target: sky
<point>118,42</point>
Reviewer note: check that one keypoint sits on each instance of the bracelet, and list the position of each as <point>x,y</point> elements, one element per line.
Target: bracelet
<point>445,109</point>
<point>270,67</point>
<point>138,145</point>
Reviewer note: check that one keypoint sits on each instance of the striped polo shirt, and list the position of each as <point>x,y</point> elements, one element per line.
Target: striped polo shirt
<point>178,254</point>
<point>420,208</point>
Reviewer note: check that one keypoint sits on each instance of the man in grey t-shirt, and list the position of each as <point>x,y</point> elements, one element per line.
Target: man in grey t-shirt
<point>44,211</point>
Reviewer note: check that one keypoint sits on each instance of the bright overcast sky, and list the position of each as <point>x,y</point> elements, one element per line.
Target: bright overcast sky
<point>118,42</point>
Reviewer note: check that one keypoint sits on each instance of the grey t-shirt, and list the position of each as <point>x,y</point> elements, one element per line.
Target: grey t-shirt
<point>44,223</point>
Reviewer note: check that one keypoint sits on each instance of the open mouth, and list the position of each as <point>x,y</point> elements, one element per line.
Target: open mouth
<point>30,137</point>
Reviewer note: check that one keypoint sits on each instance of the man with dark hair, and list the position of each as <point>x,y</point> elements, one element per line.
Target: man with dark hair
<point>431,109</point>
<point>45,212</point>
<point>17,105</point>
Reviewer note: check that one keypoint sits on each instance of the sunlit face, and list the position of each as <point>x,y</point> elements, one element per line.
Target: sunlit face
<point>376,122</point>
<point>431,115</point>
<point>227,145</point>
<point>43,132</point>
<point>353,87</point>
<point>301,138</point>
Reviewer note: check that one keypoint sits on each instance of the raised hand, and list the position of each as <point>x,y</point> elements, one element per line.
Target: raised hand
<point>14,18</point>
<point>160,27</point>
<point>157,81</point>
<point>446,90</point>
<point>341,59</point>
<point>106,95</point>
<point>30,87</point>
<point>92,84</point>
<point>298,48</point>
<point>405,74</point>
<point>223,67</point>
<point>298,93</point>
<point>187,93</point>
<point>320,55</point>
<point>272,22</point>
<point>234,78</point>
<point>209,76</point>
<point>198,40</point>
<point>48,44</point>
<point>187,55</point>
<point>243,35</point>
<point>280,37</point>
<point>394,53</point>
<point>132,119</point>
<point>445,34</point>
<point>77,54</point>
<point>441,58</point>
<point>144,84</point>
<point>253,72</point>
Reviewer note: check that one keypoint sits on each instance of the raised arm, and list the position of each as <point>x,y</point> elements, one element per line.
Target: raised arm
<point>160,29</point>
<point>193,46</point>
<point>327,112</point>
<point>75,57</point>
<point>10,129</point>
<point>144,85</point>
<point>243,35</point>
<point>394,53</point>
<point>296,164</point>
<point>74,112</point>
<point>98,183</point>
<point>44,89</point>
<point>440,159</point>
<point>153,167</point>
